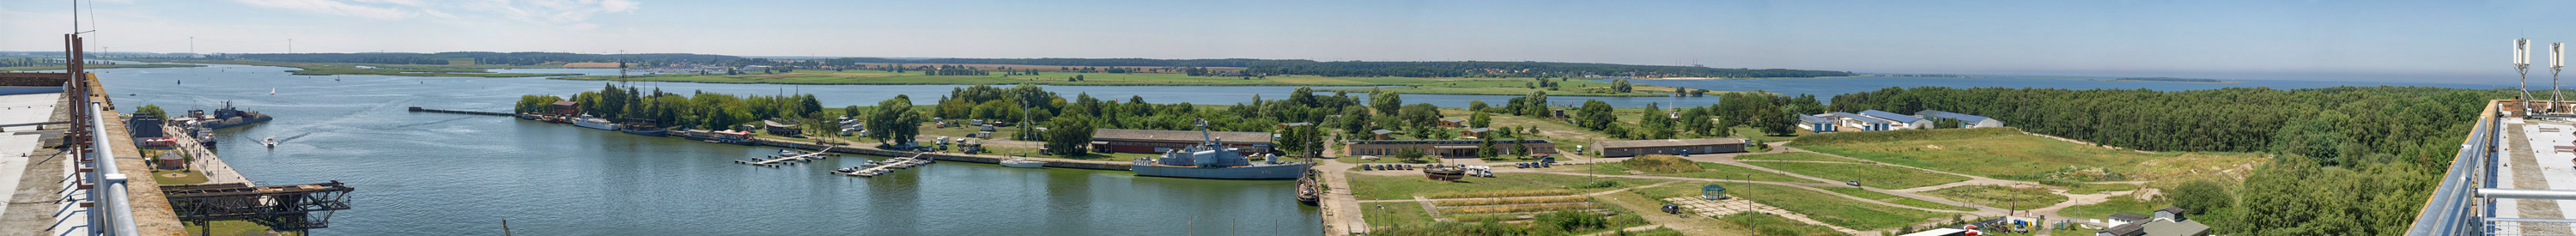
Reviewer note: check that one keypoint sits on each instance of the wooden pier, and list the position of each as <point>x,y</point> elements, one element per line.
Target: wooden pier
<point>418,109</point>
<point>798,158</point>
<point>883,168</point>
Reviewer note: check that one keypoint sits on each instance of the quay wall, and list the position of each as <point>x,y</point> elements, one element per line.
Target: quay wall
<point>418,109</point>
<point>987,159</point>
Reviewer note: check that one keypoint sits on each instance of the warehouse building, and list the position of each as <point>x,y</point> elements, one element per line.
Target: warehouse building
<point>1630,148</point>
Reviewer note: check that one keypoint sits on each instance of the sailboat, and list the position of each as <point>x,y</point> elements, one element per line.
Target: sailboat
<point>272,91</point>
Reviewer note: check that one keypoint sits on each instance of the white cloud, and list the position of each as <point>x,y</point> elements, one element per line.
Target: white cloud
<point>338,8</point>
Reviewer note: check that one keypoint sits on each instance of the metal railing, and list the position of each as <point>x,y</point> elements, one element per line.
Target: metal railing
<point>111,199</point>
<point>2455,207</point>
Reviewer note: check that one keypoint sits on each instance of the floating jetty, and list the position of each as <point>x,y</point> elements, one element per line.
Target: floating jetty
<point>788,157</point>
<point>883,167</point>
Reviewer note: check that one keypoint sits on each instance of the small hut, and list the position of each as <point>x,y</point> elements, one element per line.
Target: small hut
<point>1712,192</point>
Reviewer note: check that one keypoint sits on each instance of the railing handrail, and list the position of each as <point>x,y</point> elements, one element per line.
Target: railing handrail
<point>2449,210</point>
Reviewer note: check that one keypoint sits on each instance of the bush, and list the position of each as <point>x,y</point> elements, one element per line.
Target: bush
<point>1570,221</point>
<point>2200,196</point>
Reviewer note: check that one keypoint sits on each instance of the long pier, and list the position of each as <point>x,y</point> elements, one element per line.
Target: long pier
<point>881,168</point>
<point>807,156</point>
<point>418,109</point>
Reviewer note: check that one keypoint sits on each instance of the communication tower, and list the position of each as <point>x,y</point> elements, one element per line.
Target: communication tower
<point>2557,59</point>
<point>2522,65</point>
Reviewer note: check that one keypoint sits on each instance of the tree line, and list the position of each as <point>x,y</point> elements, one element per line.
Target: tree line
<point>713,111</point>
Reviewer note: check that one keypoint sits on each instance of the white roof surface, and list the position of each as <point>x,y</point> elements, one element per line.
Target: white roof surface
<point>21,109</point>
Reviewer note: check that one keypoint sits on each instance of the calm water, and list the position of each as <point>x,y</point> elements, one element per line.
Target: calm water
<point>446,174</point>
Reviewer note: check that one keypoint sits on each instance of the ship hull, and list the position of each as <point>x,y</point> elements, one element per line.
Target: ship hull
<point>1277,172</point>
<point>247,120</point>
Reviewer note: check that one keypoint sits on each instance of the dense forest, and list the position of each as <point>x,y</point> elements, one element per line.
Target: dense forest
<point>2350,160</point>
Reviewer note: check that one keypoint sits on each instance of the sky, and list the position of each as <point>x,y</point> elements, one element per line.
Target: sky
<point>2404,41</point>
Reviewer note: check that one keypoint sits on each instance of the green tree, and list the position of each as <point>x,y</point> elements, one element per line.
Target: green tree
<point>1594,115</point>
<point>1387,103</point>
<point>1409,154</point>
<point>154,110</point>
<point>2201,196</point>
<point>1480,120</point>
<point>1476,105</point>
<point>1069,135</point>
<point>894,120</point>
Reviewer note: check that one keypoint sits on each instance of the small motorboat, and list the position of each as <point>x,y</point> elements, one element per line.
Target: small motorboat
<point>1023,163</point>
<point>271,142</point>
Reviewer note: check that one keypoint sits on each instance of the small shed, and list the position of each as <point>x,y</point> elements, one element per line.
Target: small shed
<point>1712,192</point>
<point>567,108</point>
<point>1383,134</point>
<point>1453,122</point>
<point>781,128</point>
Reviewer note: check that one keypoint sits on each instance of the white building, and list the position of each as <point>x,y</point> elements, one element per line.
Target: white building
<point>1965,120</point>
<point>1902,121</point>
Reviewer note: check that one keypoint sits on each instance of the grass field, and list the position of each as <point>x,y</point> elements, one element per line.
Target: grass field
<point>1816,205</point>
<point>93,67</point>
<point>1756,135</point>
<point>1374,187</point>
<point>2000,196</point>
<point>1794,156</point>
<point>186,177</point>
<point>1887,177</point>
<point>1394,213</point>
<point>1766,224</point>
<point>2009,154</point>
<point>1884,197</point>
<point>2115,205</point>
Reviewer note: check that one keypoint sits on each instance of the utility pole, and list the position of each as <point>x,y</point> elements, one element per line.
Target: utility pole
<point>290,46</point>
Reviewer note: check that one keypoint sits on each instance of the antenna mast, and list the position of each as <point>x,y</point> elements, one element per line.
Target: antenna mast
<point>2557,59</point>
<point>2522,65</point>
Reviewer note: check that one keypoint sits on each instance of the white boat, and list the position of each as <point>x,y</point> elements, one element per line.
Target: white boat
<point>586,121</point>
<point>1023,163</point>
<point>271,142</point>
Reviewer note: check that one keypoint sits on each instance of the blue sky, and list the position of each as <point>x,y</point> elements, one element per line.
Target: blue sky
<point>2419,41</point>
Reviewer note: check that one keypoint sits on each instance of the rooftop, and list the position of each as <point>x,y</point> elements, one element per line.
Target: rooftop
<point>1442,142</point>
<point>2129,216</point>
<point>1666,142</point>
<point>1950,115</point>
<point>2184,228</point>
<point>1891,116</point>
<point>1814,119</point>
<point>1180,135</point>
<point>1862,119</point>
